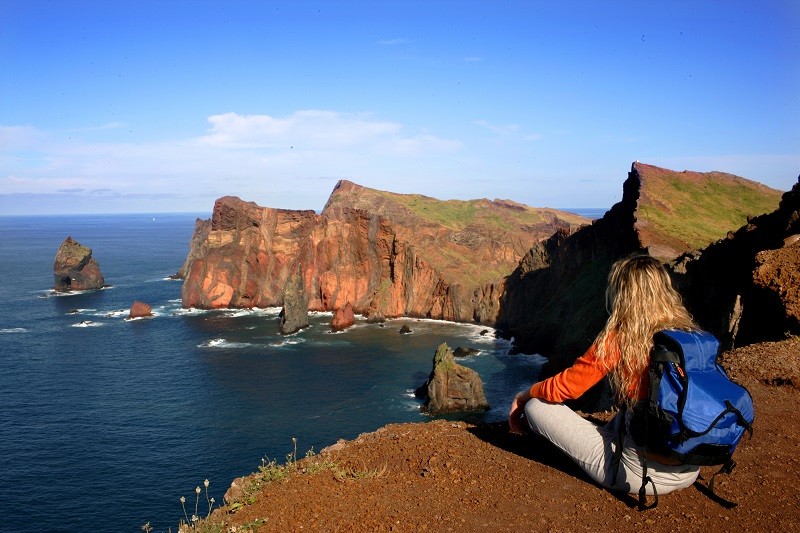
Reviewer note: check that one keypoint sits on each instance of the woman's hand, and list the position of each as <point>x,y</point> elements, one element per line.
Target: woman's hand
<point>515,424</point>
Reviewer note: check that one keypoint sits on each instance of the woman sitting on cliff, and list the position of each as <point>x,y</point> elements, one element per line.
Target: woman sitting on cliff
<point>641,301</point>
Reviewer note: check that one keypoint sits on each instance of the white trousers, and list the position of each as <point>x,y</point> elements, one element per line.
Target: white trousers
<point>592,448</point>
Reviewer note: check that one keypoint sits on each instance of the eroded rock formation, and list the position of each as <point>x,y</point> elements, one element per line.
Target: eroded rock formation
<point>74,268</point>
<point>201,229</point>
<point>343,317</point>
<point>294,315</point>
<point>452,387</point>
<point>388,255</point>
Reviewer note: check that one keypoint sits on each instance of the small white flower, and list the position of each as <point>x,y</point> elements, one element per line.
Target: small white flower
<point>205,483</point>
<point>183,499</point>
<point>197,490</point>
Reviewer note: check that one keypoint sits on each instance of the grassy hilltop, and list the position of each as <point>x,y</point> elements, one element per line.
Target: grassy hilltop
<point>698,208</point>
<point>472,242</point>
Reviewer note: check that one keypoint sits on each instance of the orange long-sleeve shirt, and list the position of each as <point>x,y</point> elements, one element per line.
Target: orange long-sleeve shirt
<point>584,373</point>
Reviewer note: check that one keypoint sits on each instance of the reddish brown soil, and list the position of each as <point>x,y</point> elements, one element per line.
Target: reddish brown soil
<point>452,476</point>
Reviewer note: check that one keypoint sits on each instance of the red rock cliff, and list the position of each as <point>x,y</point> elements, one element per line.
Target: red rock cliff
<point>384,253</point>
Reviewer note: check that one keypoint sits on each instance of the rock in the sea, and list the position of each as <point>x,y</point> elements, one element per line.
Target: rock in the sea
<point>294,315</point>
<point>343,317</point>
<point>452,387</point>
<point>75,269</point>
<point>465,352</point>
<point>404,330</point>
<point>140,310</point>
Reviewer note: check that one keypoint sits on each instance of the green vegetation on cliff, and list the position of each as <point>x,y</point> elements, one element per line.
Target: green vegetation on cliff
<point>456,215</point>
<point>700,208</point>
<point>468,242</point>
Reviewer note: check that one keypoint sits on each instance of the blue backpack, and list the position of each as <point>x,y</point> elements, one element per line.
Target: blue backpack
<point>694,413</point>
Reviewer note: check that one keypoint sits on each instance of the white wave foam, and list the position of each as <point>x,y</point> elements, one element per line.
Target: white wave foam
<point>127,319</point>
<point>255,311</point>
<point>13,330</point>
<point>223,343</point>
<point>59,294</point>
<point>227,312</point>
<point>79,311</point>
<point>118,313</point>
<point>411,406</point>
<point>192,311</point>
<point>87,324</point>
<point>289,341</point>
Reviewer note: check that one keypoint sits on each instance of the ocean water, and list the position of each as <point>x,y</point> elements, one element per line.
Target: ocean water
<point>105,422</point>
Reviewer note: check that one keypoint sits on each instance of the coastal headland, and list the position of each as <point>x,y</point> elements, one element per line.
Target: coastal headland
<point>729,242</point>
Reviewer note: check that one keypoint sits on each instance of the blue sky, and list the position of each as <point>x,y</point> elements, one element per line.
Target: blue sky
<point>149,106</point>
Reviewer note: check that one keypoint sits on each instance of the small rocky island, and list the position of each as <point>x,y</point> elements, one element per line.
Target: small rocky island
<point>451,387</point>
<point>75,269</point>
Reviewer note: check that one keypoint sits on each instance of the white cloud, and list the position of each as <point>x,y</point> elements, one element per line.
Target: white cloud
<point>252,156</point>
<point>307,129</point>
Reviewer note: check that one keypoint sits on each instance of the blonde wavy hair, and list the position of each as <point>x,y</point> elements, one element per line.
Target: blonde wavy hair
<point>641,301</point>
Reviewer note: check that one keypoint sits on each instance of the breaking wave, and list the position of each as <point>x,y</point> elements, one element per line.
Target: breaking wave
<point>13,330</point>
<point>223,343</point>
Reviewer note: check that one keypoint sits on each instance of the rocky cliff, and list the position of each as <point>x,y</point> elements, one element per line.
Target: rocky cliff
<point>386,254</point>
<point>538,274</point>
<point>554,301</point>
<point>746,288</point>
<point>74,268</point>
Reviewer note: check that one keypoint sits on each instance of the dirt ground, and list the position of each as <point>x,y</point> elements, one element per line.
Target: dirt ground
<point>452,476</point>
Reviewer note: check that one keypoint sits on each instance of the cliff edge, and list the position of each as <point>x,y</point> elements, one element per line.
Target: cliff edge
<point>446,475</point>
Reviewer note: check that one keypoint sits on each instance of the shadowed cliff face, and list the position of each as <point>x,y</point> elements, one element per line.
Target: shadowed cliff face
<point>554,300</point>
<point>404,256</point>
<point>554,303</point>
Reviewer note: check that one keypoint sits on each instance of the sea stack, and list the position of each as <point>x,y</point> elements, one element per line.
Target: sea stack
<point>140,310</point>
<point>294,315</point>
<point>343,318</point>
<point>452,387</point>
<point>75,269</point>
